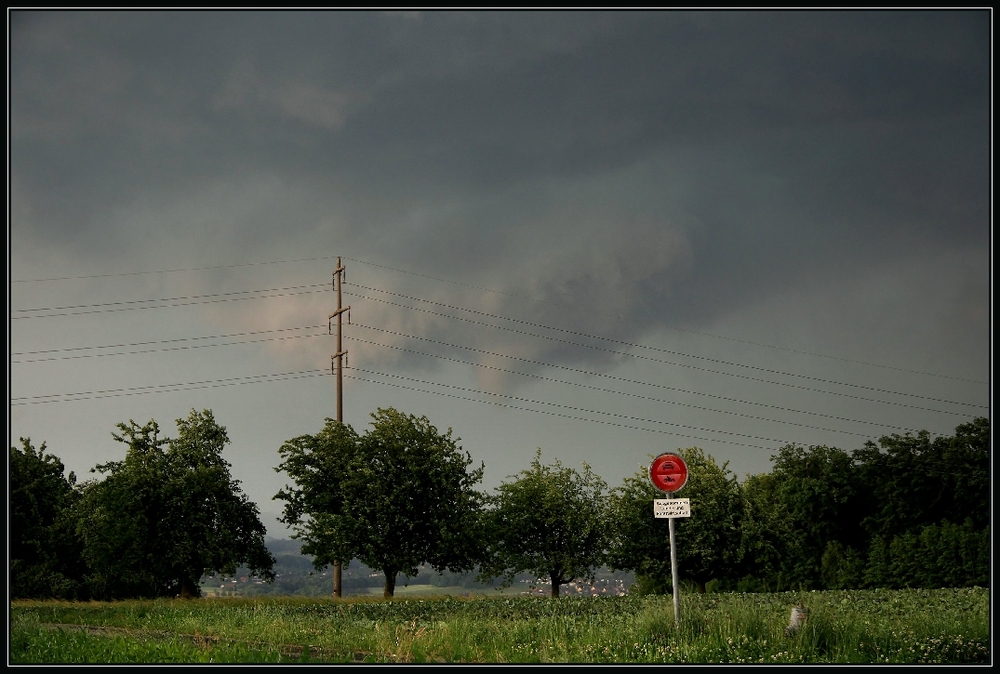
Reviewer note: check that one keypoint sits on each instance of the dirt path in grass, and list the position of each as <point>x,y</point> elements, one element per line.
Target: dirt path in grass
<point>294,651</point>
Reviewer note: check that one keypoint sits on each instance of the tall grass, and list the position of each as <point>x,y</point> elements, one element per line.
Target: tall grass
<point>898,627</point>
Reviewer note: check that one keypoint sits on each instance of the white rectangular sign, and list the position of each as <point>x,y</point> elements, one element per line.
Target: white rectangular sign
<point>671,507</point>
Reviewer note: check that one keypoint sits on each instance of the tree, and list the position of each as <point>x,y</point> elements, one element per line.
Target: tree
<point>765,529</point>
<point>550,521</point>
<point>936,555</point>
<point>395,498</point>
<point>912,481</point>
<point>708,542</point>
<point>320,467</point>
<point>44,551</point>
<point>814,495</point>
<point>169,513</point>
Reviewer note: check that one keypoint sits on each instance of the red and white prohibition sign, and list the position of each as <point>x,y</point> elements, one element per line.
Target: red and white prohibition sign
<point>668,472</point>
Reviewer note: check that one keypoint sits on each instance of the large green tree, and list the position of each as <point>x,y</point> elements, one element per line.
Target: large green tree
<point>765,528</point>
<point>927,507</point>
<point>708,542</point>
<point>907,482</point>
<point>44,551</point>
<point>397,497</point>
<point>550,520</point>
<point>320,466</point>
<point>815,497</point>
<point>169,513</point>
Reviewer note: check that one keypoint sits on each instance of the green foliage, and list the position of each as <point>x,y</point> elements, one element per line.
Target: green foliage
<point>881,516</point>
<point>44,552</point>
<point>814,503</point>
<point>395,498</point>
<point>765,529</point>
<point>639,542</point>
<point>168,513</point>
<point>841,568</point>
<point>550,521</point>
<point>708,542</point>
<point>935,556</point>
<point>319,465</point>
<point>912,481</point>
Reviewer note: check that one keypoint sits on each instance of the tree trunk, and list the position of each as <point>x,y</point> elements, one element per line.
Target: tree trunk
<point>555,584</point>
<point>701,586</point>
<point>390,584</point>
<point>188,590</point>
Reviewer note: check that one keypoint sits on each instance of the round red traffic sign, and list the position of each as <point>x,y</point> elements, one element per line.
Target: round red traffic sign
<point>668,472</point>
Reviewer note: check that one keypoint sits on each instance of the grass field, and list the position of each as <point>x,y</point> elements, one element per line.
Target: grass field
<point>888,627</point>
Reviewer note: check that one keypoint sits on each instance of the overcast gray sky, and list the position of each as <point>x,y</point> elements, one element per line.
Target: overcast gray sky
<point>635,231</point>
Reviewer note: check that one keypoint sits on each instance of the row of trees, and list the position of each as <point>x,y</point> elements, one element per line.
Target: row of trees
<point>906,511</point>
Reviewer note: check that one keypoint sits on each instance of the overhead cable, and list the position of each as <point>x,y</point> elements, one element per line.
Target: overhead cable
<point>685,365</point>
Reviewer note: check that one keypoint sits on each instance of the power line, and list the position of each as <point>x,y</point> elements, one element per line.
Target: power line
<point>170,271</point>
<point>694,367</point>
<point>555,414</point>
<point>634,345</point>
<point>507,294</point>
<point>226,297</point>
<point>668,327</point>
<point>634,381</point>
<point>633,395</point>
<point>218,297</point>
<point>176,348</point>
<point>164,388</point>
<point>568,407</point>
<point>201,299</point>
<point>499,369</point>
<point>930,470</point>
<point>287,376</point>
<point>85,395</point>
<point>164,341</point>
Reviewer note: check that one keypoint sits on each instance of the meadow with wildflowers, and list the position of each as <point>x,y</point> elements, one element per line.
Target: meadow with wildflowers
<point>945,626</point>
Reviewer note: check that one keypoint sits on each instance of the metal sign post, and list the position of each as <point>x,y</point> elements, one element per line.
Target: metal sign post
<point>673,573</point>
<point>669,474</point>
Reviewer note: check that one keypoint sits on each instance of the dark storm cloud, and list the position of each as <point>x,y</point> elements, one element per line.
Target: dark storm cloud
<point>807,145</point>
<point>446,94</point>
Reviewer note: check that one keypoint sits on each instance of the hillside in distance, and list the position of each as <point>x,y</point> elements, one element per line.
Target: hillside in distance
<point>296,575</point>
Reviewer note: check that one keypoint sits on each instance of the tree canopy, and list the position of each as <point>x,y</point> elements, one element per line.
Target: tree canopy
<point>319,465</point>
<point>815,501</point>
<point>551,521</point>
<point>169,513</point>
<point>44,552</point>
<point>397,497</point>
<point>910,481</point>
